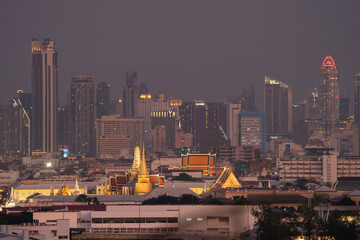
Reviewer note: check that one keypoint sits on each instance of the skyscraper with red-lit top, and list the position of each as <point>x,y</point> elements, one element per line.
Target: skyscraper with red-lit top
<point>329,95</point>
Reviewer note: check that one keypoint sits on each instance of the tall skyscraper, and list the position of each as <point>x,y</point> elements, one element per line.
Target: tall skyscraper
<point>329,95</point>
<point>64,132</point>
<point>233,113</point>
<point>143,110</point>
<point>344,113</point>
<point>117,136</point>
<point>167,119</point>
<point>102,100</point>
<point>278,107</point>
<point>82,114</point>
<point>252,130</point>
<point>207,123</point>
<point>357,97</point>
<point>44,75</point>
<point>130,95</point>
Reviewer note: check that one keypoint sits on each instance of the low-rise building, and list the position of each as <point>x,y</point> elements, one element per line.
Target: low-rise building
<point>7,178</point>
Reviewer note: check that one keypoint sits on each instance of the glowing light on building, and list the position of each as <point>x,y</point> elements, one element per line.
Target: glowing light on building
<point>328,63</point>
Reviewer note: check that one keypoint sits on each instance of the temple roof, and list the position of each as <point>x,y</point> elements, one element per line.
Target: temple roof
<point>227,179</point>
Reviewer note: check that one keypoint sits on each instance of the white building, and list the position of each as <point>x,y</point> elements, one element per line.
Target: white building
<point>322,168</point>
<point>48,230</point>
<point>183,220</point>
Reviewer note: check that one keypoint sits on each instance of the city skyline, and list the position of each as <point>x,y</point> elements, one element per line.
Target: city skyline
<point>243,56</point>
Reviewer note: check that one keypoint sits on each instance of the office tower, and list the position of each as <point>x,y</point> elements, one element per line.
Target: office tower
<point>130,95</point>
<point>102,100</point>
<point>278,104</point>
<point>14,128</point>
<point>44,75</point>
<point>25,99</point>
<point>3,127</point>
<point>183,139</point>
<point>167,119</point>
<point>253,130</point>
<point>313,105</point>
<point>357,97</point>
<point>247,100</point>
<point>117,136</point>
<point>143,110</point>
<point>143,89</point>
<point>233,112</point>
<point>344,106</point>
<point>82,115</point>
<point>329,95</point>
<point>158,139</point>
<point>207,123</point>
<point>64,131</point>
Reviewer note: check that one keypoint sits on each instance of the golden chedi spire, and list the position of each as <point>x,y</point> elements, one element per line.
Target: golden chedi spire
<point>143,185</point>
<point>136,163</point>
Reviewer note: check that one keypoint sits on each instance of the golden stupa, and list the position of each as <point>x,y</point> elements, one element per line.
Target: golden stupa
<point>136,163</point>
<point>143,185</point>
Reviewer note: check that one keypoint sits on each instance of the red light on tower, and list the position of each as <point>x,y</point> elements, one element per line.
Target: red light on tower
<point>328,63</point>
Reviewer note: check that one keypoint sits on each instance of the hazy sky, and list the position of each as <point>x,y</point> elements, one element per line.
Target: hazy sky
<point>188,49</point>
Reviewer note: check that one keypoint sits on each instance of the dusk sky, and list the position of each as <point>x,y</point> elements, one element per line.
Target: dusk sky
<point>188,49</point>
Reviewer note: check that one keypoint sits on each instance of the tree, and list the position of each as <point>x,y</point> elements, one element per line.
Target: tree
<point>81,198</point>
<point>189,199</point>
<point>240,200</point>
<point>275,225</point>
<point>210,201</point>
<point>163,199</point>
<point>346,201</point>
<point>310,222</point>
<point>184,177</point>
<point>95,201</point>
<point>340,228</point>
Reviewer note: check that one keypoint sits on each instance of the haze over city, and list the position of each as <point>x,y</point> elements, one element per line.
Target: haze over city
<point>190,50</point>
<point>180,119</point>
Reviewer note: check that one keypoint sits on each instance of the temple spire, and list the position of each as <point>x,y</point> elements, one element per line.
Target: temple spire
<point>143,185</point>
<point>143,170</point>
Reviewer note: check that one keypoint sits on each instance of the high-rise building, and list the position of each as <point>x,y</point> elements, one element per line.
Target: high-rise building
<point>278,107</point>
<point>207,123</point>
<point>167,119</point>
<point>117,136</point>
<point>344,106</point>
<point>357,97</point>
<point>64,131</point>
<point>143,89</point>
<point>17,132</point>
<point>44,75</point>
<point>143,110</point>
<point>82,115</point>
<point>329,95</point>
<point>247,100</point>
<point>3,127</point>
<point>252,130</point>
<point>313,105</point>
<point>25,99</point>
<point>102,100</point>
<point>130,95</point>
<point>233,112</point>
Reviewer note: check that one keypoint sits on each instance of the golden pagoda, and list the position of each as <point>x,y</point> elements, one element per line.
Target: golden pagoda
<point>136,163</point>
<point>143,185</point>
<point>227,179</point>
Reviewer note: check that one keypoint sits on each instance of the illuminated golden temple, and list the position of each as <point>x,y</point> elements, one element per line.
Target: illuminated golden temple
<point>143,185</point>
<point>227,179</point>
